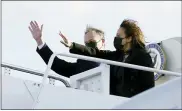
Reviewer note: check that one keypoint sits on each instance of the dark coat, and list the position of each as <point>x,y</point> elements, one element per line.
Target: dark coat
<point>64,68</point>
<point>124,82</point>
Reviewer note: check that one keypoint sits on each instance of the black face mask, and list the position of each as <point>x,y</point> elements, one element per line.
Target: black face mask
<point>118,43</point>
<point>91,44</point>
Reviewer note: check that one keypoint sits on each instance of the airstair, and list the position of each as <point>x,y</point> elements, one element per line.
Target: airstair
<point>90,89</point>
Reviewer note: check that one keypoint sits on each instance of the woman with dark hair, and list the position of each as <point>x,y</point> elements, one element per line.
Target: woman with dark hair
<point>130,48</point>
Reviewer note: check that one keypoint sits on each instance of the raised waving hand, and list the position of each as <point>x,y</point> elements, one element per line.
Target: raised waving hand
<point>36,31</point>
<point>65,41</point>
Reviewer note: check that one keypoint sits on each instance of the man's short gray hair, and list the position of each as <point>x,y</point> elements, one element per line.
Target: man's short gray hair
<point>98,31</point>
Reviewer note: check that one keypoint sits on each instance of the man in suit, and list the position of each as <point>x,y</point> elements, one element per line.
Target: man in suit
<point>93,38</point>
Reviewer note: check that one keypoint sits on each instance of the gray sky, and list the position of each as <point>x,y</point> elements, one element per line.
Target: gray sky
<point>159,20</point>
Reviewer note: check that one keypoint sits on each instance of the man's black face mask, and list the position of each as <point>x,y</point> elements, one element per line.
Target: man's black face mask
<point>91,44</point>
<point>118,43</point>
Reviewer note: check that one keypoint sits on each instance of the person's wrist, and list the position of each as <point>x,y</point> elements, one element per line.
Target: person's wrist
<point>71,45</point>
<point>39,42</point>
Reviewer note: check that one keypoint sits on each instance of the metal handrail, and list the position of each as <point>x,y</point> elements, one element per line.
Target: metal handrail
<point>37,73</point>
<point>118,64</point>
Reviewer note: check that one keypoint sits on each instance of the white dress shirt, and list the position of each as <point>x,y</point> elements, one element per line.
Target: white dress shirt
<point>41,46</point>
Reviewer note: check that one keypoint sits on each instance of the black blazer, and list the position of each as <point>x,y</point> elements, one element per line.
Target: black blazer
<point>124,82</point>
<point>64,68</point>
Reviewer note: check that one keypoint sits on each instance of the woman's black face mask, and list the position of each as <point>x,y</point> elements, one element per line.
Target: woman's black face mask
<point>118,43</point>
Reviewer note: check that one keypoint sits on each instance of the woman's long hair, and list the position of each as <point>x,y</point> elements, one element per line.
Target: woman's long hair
<point>134,31</point>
